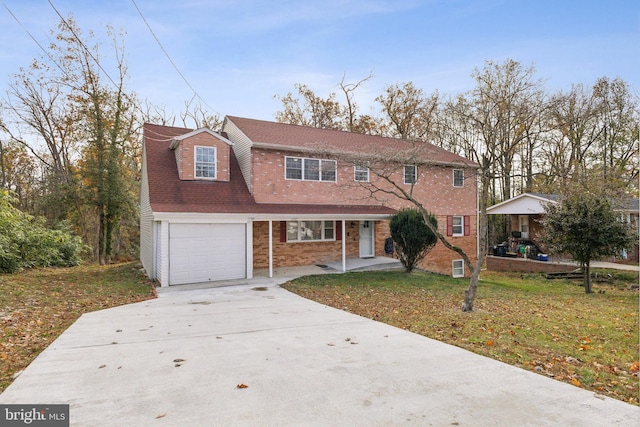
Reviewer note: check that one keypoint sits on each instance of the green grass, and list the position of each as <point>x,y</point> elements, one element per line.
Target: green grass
<point>36,306</point>
<point>548,326</point>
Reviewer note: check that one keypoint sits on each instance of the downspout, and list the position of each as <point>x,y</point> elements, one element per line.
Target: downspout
<point>344,246</point>
<point>270,249</point>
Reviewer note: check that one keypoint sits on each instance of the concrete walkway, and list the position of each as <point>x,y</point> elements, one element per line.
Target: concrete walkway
<point>184,359</point>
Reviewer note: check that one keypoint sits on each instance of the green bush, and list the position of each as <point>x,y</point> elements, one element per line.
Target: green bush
<point>26,242</point>
<point>412,237</point>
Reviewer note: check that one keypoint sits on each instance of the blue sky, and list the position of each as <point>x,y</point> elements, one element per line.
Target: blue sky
<point>238,54</point>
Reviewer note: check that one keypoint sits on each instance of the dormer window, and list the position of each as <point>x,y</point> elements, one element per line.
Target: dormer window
<point>205,163</point>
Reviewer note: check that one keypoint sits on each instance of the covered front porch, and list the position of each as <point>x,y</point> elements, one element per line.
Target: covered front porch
<point>329,243</point>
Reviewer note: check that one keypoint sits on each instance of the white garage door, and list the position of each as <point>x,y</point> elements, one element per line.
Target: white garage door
<point>206,252</point>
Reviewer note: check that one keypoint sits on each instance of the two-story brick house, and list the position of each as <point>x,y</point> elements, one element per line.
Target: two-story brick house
<point>259,195</point>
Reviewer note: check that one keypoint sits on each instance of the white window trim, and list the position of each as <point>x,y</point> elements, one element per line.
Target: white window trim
<point>454,178</point>
<point>322,239</point>
<point>320,161</point>
<point>363,169</point>
<point>215,162</point>
<point>453,226</point>
<point>454,268</point>
<point>415,174</point>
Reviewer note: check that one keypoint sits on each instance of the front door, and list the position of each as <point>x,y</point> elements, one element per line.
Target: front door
<point>366,239</point>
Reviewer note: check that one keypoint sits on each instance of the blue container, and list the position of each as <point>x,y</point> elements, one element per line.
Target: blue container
<point>543,257</point>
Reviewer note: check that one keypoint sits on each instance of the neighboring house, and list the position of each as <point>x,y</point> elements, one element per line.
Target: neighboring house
<point>259,195</point>
<point>527,210</point>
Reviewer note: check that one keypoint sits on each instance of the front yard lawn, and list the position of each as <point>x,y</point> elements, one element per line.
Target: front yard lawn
<point>547,326</point>
<point>36,306</point>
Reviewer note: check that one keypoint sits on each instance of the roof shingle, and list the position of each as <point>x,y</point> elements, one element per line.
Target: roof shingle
<point>167,193</point>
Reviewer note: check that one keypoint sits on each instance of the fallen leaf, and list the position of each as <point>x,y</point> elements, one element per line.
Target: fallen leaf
<point>242,386</point>
<point>575,382</point>
<point>161,415</point>
<point>489,343</point>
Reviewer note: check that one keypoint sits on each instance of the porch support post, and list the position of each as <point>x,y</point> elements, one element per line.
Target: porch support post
<point>270,249</point>
<point>344,246</point>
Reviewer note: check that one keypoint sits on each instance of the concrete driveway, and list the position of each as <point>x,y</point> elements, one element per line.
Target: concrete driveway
<point>185,358</point>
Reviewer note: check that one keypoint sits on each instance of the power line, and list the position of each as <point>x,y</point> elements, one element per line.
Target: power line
<point>32,37</point>
<point>84,46</point>
<point>171,60</point>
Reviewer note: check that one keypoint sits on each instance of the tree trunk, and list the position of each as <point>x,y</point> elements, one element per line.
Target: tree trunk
<point>470,293</point>
<point>586,268</point>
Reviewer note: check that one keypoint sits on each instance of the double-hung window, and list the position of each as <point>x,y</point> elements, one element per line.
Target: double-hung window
<point>309,231</point>
<point>205,162</point>
<point>410,174</point>
<point>458,177</point>
<point>360,173</point>
<point>304,169</point>
<point>458,225</point>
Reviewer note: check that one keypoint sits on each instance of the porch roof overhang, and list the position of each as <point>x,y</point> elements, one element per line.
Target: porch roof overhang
<point>278,212</point>
<point>524,204</point>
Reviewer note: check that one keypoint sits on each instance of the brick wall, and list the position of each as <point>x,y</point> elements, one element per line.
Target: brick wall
<point>185,156</point>
<point>495,263</point>
<point>434,187</point>
<point>288,254</point>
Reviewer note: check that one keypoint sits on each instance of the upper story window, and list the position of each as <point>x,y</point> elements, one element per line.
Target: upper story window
<point>410,174</point>
<point>205,163</point>
<point>360,173</point>
<point>310,169</point>
<point>458,178</point>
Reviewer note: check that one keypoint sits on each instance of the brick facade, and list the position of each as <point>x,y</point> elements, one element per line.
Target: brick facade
<point>495,263</point>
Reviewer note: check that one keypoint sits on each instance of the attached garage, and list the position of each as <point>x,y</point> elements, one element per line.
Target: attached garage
<point>206,252</point>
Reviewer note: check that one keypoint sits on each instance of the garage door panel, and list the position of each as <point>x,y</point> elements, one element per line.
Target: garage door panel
<point>207,252</point>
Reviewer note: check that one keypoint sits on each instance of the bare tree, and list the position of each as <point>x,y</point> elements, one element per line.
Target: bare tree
<point>311,110</point>
<point>617,151</point>
<point>354,123</point>
<point>409,114</point>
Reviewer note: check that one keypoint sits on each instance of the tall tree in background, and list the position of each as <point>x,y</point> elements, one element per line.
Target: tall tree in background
<point>106,111</point>
<point>617,148</point>
<point>311,110</point>
<point>491,123</point>
<point>408,113</point>
<point>85,118</point>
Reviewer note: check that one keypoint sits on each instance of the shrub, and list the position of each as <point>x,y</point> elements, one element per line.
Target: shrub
<point>412,236</point>
<point>26,242</point>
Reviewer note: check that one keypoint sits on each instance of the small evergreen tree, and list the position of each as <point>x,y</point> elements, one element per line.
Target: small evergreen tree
<point>586,226</point>
<point>412,237</point>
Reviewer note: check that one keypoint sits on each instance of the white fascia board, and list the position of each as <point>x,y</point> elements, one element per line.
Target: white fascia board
<point>520,205</point>
<point>247,217</point>
<point>200,217</point>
